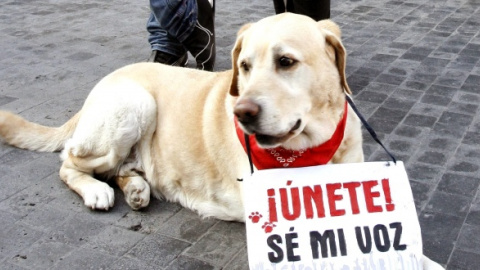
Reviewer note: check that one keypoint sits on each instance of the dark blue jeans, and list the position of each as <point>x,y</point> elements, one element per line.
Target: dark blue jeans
<point>170,23</point>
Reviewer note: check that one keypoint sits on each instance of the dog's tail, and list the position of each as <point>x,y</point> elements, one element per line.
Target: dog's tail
<point>16,131</point>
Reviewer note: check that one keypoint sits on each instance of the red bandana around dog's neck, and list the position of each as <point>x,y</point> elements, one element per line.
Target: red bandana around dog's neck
<point>270,158</point>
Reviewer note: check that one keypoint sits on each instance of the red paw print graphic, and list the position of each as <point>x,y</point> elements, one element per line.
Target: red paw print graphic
<point>255,217</point>
<point>268,227</point>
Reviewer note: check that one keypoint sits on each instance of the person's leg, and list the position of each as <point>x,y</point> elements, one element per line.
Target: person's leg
<point>165,48</point>
<point>191,25</point>
<point>279,6</point>
<point>170,22</point>
<point>282,6</point>
<point>201,42</point>
<point>177,17</point>
<point>315,9</point>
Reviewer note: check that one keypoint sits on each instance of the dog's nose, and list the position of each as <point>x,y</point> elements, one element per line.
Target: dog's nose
<point>246,110</point>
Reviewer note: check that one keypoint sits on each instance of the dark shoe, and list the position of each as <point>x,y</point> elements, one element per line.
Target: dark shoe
<point>168,59</point>
<point>201,42</point>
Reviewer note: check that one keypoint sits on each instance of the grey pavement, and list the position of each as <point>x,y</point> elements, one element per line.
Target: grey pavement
<point>414,67</point>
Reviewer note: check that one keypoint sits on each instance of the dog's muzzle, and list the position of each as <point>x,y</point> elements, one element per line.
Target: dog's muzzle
<point>248,113</point>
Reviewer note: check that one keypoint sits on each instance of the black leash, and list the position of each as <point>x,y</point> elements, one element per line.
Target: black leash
<point>249,152</point>
<point>360,116</point>
<point>369,128</point>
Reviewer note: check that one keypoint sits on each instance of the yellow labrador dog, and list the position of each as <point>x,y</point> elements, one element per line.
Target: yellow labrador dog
<point>170,131</point>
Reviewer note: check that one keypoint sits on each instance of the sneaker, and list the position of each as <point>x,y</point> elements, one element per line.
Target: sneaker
<point>201,42</point>
<point>168,59</point>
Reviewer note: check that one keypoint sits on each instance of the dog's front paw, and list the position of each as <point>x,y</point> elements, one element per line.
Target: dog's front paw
<point>98,195</point>
<point>137,193</point>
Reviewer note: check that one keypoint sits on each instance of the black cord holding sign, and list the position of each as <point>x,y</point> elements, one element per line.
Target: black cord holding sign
<point>249,152</point>
<point>369,128</point>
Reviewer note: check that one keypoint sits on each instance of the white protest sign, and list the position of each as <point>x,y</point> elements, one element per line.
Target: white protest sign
<point>342,216</point>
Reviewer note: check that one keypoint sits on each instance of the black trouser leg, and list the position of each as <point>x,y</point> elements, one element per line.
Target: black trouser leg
<point>201,43</point>
<point>315,9</point>
<point>280,7</point>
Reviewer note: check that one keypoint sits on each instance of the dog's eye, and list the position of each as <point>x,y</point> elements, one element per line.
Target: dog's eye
<point>244,66</point>
<point>285,61</point>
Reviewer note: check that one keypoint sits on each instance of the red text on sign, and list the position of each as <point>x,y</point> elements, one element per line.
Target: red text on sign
<point>312,200</point>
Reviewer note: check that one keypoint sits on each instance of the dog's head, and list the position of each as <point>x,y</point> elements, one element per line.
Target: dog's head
<point>289,80</point>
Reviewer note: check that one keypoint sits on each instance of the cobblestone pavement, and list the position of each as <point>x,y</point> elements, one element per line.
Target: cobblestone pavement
<point>413,66</point>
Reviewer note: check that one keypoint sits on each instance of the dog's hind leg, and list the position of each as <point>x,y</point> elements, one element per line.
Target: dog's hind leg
<point>131,181</point>
<point>116,117</point>
<point>135,189</point>
<point>80,165</point>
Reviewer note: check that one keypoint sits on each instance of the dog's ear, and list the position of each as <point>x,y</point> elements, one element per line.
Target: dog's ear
<point>330,26</point>
<point>237,48</point>
<point>335,49</point>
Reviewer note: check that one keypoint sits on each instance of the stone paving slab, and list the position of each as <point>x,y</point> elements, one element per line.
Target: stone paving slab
<point>414,68</point>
